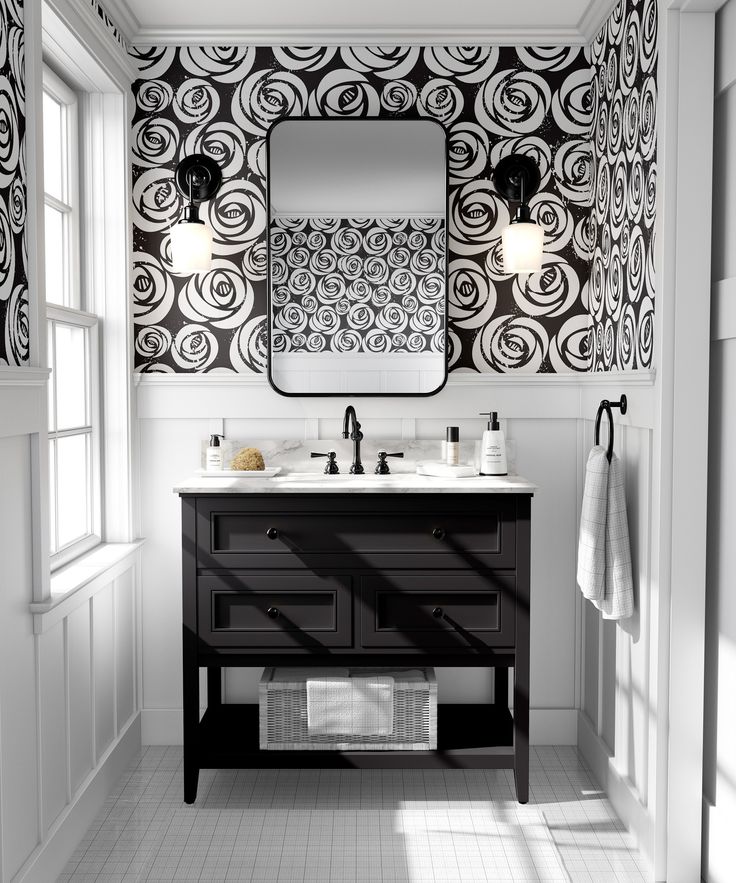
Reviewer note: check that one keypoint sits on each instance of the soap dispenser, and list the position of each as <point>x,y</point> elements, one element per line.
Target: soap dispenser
<point>493,448</point>
<point>213,454</point>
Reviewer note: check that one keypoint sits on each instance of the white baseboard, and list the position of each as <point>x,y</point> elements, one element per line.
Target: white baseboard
<point>47,861</point>
<point>547,726</point>
<point>619,789</point>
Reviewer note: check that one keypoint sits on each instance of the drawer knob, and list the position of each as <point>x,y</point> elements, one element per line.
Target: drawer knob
<point>438,533</point>
<point>272,533</point>
<point>273,612</point>
<point>438,613</point>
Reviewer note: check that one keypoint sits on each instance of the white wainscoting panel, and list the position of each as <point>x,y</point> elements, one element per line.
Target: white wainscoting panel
<point>103,650</point>
<point>88,710</point>
<point>55,764</point>
<point>125,648</point>
<point>618,717</point>
<point>79,690</point>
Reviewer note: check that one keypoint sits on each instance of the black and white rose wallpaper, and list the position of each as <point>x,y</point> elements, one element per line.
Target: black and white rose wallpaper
<point>587,116</point>
<point>622,283</point>
<point>493,100</point>
<point>13,251</point>
<point>346,285</point>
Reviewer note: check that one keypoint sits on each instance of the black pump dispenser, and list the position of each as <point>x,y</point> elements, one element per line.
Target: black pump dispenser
<point>215,440</point>
<point>493,423</point>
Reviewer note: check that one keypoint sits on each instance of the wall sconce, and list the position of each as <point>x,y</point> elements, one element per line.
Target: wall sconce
<point>517,178</point>
<point>197,178</point>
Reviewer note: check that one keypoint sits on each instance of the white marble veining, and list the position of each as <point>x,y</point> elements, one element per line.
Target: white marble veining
<point>294,455</point>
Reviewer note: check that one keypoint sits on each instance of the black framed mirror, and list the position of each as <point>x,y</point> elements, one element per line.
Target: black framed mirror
<point>357,219</point>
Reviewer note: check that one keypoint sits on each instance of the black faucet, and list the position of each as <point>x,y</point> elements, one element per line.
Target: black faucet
<point>356,435</point>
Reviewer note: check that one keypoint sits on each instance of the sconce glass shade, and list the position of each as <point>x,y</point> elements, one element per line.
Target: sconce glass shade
<point>523,244</point>
<point>191,247</point>
<point>197,178</point>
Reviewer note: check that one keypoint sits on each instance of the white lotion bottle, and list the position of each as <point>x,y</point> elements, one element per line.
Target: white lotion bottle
<point>213,454</point>
<point>452,454</point>
<point>493,449</point>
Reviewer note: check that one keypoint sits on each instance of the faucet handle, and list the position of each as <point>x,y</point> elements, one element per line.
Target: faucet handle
<point>331,467</point>
<point>382,465</point>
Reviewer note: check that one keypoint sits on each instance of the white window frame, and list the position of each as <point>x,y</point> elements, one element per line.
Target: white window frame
<point>68,36</point>
<point>70,203</point>
<point>75,296</point>
<point>89,322</point>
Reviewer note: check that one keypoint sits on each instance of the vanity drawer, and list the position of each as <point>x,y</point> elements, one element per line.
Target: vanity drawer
<point>470,611</point>
<point>275,610</point>
<point>356,532</point>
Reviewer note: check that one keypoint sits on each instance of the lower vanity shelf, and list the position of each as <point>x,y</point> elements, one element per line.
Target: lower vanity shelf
<point>468,736</point>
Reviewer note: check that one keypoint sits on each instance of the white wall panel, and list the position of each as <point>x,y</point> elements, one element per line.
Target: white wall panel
<point>635,717</point>
<point>169,450</point>
<point>591,638</point>
<point>546,454</point>
<point>615,677</point>
<point>125,644</point>
<point>608,685</point>
<point>81,748</point>
<point>19,809</point>
<point>54,736</point>
<point>103,668</point>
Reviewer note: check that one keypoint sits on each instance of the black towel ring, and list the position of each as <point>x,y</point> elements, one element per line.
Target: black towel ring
<point>607,406</point>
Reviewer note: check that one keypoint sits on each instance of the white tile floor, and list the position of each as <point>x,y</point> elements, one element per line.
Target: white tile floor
<point>315,826</point>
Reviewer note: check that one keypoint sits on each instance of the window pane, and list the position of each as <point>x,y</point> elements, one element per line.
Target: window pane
<point>52,379</point>
<point>52,153</point>
<point>52,502</point>
<point>70,364</point>
<point>55,263</point>
<point>72,482</point>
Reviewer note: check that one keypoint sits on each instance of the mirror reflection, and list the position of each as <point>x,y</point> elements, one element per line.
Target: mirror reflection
<point>357,269</point>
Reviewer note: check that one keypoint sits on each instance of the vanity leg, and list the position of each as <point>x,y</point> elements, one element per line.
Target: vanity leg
<point>521,655</point>
<point>521,733</point>
<point>190,717</point>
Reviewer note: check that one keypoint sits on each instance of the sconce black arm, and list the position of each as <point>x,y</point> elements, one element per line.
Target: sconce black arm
<point>517,178</point>
<point>198,178</point>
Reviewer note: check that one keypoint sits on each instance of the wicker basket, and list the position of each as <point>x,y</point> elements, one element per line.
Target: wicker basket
<point>283,713</point>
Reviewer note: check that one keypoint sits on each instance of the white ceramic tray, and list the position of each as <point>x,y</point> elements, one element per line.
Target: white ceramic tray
<point>268,472</point>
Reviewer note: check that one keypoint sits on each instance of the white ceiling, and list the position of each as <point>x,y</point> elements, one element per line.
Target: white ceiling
<point>384,22</point>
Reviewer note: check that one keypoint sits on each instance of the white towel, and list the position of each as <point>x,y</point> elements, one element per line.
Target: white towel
<point>351,706</point>
<point>604,556</point>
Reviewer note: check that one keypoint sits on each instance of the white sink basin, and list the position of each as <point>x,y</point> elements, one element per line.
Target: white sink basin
<point>342,479</point>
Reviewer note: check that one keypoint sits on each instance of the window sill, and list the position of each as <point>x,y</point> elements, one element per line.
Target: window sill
<point>77,582</point>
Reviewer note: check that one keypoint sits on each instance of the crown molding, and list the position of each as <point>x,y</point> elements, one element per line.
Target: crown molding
<point>124,18</point>
<point>361,36</point>
<point>594,18</point>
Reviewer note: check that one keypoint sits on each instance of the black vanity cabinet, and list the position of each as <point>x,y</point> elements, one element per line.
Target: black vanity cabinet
<point>352,579</point>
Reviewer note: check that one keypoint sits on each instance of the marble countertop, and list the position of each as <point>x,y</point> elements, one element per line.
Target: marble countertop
<point>318,483</point>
